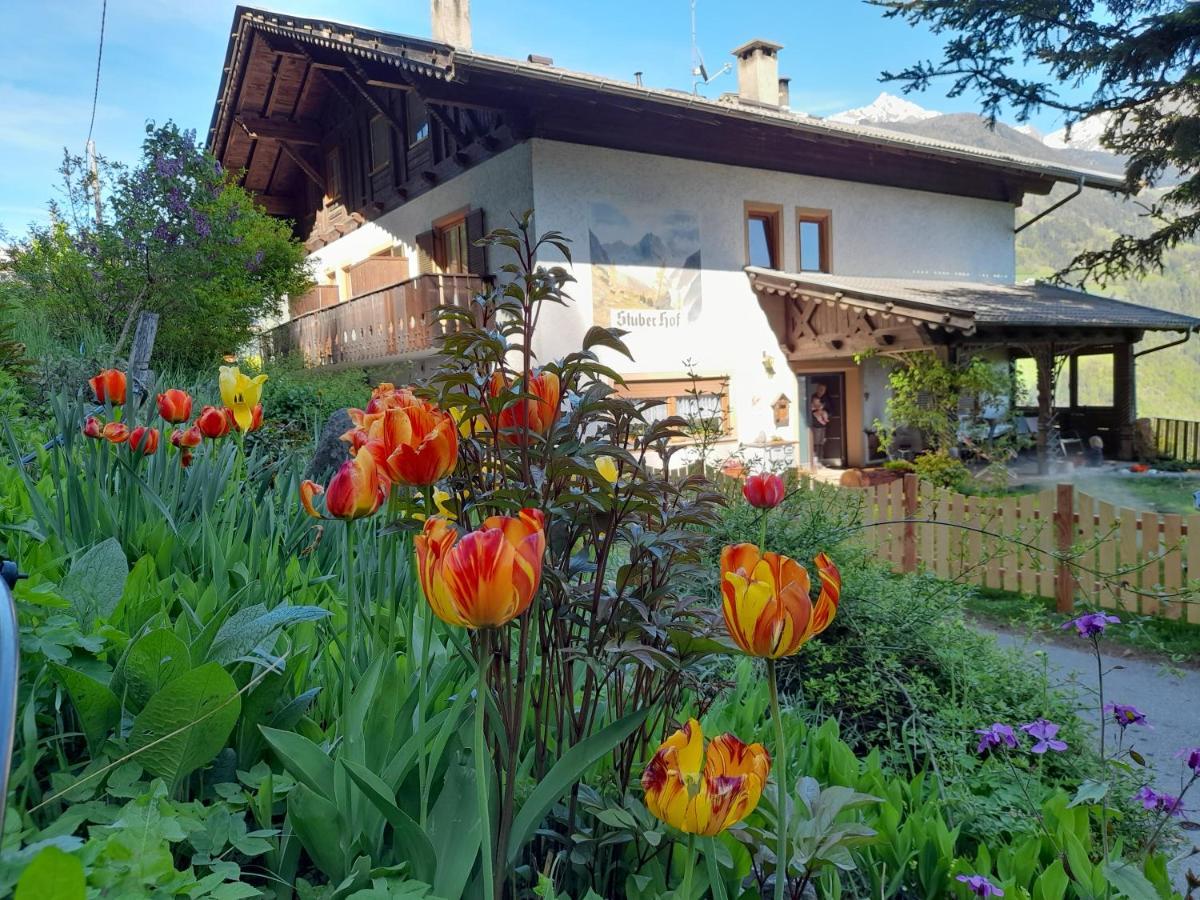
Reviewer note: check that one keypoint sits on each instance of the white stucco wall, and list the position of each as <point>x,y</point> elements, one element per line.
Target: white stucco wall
<point>499,185</point>
<point>875,231</point>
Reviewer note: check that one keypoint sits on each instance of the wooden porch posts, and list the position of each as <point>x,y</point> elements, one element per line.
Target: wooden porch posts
<point>1124,398</point>
<point>1043,356</point>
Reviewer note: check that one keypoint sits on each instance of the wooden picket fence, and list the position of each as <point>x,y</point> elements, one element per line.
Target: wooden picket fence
<point>1059,543</point>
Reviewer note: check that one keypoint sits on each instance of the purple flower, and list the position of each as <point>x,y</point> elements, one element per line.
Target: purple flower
<point>255,262</point>
<point>1126,715</point>
<point>1092,624</point>
<point>995,735</point>
<point>1191,757</point>
<point>1153,801</point>
<point>200,222</point>
<point>980,886</point>
<point>1044,732</point>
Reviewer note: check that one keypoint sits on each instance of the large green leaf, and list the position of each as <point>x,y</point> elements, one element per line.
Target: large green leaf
<point>410,839</point>
<point>1128,879</point>
<point>317,824</point>
<point>154,660</point>
<point>97,706</point>
<point>568,770</point>
<point>185,724</point>
<point>95,582</point>
<point>307,763</point>
<point>52,875</point>
<point>253,625</point>
<point>455,832</point>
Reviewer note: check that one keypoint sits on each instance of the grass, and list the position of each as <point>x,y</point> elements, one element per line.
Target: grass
<point>1159,494</point>
<point>1176,641</point>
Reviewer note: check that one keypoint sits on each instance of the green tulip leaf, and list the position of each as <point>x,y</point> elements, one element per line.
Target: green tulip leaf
<point>304,760</point>
<point>1128,879</point>
<point>570,767</point>
<point>186,723</point>
<point>319,827</point>
<point>410,838</point>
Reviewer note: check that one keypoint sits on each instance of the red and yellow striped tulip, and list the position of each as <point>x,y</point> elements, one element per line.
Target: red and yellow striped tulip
<point>703,790</point>
<point>415,443</point>
<point>485,578</point>
<point>765,599</point>
<point>109,386</point>
<point>388,396</point>
<point>240,393</point>
<point>213,422</point>
<point>187,438</point>
<point>93,427</point>
<point>537,412</point>
<point>356,490</point>
<point>115,432</point>
<point>144,440</point>
<point>175,405</point>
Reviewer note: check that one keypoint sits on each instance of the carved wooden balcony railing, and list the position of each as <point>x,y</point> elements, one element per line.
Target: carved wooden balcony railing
<point>394,321</point>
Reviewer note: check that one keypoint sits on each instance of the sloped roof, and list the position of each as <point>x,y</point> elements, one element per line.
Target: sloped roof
<point>967,305</point>
<point>571,95</point>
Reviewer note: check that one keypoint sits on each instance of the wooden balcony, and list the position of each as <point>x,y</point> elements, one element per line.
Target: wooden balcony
<point>318,297</point>
<point>393,322</point>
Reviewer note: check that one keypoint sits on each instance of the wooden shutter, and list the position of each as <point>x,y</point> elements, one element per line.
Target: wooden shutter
<point>476,256</point>
<point>425,252</point>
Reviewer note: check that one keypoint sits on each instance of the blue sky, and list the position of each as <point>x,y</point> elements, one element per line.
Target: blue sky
<point>162,60</point>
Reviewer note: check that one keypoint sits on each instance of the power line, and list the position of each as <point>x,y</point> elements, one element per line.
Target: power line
<point>99,57</point>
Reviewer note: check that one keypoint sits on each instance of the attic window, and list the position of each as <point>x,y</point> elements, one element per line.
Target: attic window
<point>813,230</point>
<point>418,119</point>
<point>381,144</point>
<point>764,235</point>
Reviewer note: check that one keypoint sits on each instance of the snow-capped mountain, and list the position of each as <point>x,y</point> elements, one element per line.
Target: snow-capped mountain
<point>884,109</point>
<point>1085,134</point>
<point>1029,131</point>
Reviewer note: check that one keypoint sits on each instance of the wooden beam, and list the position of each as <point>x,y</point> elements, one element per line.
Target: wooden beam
<point>261,128</point>
<point>358,81</point>
<point>276,205</point>
<point>305,166</point>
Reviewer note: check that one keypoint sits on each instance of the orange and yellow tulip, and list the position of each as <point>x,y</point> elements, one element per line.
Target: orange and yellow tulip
<point>703,790</point>
<point>175,405</point>
<point>93,427</point>
<point>765,599</point>
<point>144,440</point>
<point>356,490</point>
<point>415,443</point>
<point>240,393</point>
<point>486,578</point>
<point>213,422</point>
<point>388,396</point>
<point>109,386</point>
<point>537,412</point>
<point>115,432</point>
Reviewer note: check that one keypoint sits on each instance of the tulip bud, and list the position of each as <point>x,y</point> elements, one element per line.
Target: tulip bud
<point>356,490</point>
<point>213,422</point>
<point>175,405</point>
<point>115,432</point>
<point>186,438</point>
<point>92,427</point>
<point>185,458</point>
<point>109,386</point>
<point>764,491</point>
<point>144,439</point>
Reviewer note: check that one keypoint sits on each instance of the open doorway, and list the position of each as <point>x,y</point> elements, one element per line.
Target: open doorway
<point>824,397</point>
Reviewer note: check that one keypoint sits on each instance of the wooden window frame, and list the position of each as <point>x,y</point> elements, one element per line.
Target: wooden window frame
<point>443,224</point>
<point>823,219</point>
<point>673,387</point>
<point>378,165</point>
<point>772,214</point>
<point>334,188</point>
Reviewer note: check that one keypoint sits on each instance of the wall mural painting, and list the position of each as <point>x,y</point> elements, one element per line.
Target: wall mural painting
<point>645,266</point>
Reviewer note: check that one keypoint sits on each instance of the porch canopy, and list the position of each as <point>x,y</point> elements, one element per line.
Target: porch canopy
<point>822,316</point>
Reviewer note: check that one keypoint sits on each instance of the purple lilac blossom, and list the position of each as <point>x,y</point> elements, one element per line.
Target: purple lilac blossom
<point>1045,733</point>
<point>1153,801</point>
<point>980,886</point>
<point>1191,758</point>
<point>1125,715</point>
<point>1092,624</point>
<point>994,736</point>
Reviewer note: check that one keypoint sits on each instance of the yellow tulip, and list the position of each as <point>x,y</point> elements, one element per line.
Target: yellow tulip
<point>240,394</point>
<point>607,467</point>
<point>704,790</point>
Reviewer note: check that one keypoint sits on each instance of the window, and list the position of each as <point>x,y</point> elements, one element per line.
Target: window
<point>418,119</point>
<point>381,144</point>
<point>333,175</point>
<point>764,235</point>
<point>450,245</point>
<point>703,401</point>
<point>813,231</point>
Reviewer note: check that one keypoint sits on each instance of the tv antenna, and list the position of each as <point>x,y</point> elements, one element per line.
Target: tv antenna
<point>699,70</point>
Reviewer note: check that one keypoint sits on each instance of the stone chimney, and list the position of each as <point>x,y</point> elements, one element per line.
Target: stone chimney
<point>785,93</point>
<point>758,72</point>
<point>451,22</point>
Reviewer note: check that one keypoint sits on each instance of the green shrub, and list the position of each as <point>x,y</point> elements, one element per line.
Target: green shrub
<point>942,470</point>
